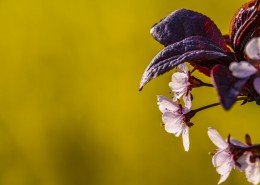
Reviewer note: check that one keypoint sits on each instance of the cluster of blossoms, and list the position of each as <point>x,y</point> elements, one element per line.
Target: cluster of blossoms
<point>234,154</point>
<point>232,62</point>
<point>176,118</point>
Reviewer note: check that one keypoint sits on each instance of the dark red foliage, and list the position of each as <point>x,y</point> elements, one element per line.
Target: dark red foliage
<point>192,37</point>
<point>228,87</point>
<point>243,25</point>
<point>194,49</point>
<point>188,36</point>
<point>182,24</point>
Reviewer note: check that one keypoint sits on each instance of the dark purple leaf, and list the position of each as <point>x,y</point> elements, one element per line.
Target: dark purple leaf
<point>256,33</point>
<point>192,49</point>
<point>228,87</point>
<point>205,66</point>
<point>243,25</point>
<point>186,23</point>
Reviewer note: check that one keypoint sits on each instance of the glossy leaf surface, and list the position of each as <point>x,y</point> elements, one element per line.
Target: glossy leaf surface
<point>186,23</point>
<point>192,49</point>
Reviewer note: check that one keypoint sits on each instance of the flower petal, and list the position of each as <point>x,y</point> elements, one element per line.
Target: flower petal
<point>185,138</point>
<point>242,69</point>
<point>179,82</point>
<point>237,143</point>
<point>220,158</point>
<point>187,102</point>
<point>223,162</point>
<point>243,161</point>
<point>252,49</point>
<point>225,168</point>
<point>224,177</point>
<point>184,68</point>
<point>167,105</point>
<point>253,173</point>
<point>173,123</point>
<point>257,84</point>
<point>217,139</point>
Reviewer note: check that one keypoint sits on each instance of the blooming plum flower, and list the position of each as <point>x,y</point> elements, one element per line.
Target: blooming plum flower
<point>252,51</point>
<point>245,69</point>
<point>225,158</point>
<point>174,119</point>
<point>231,61</point>
<point>181,85</point>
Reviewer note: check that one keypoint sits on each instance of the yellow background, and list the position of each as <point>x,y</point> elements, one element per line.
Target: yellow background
<point>70,109</point>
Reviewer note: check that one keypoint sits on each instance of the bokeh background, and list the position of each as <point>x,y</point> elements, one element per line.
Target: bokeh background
<point>70,109</point>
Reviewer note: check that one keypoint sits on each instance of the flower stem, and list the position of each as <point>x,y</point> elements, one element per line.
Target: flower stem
<point>207,85</point>
<point>192,113</point>
<point>215,104</point>
<point>206,107</point>
<point>194,69</point>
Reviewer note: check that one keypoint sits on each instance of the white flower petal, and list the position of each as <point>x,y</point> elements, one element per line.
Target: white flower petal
<point>242,69</point>
<point>237,143</point>
<point>185,138</point>
<point>224,169</point>
<point>223,177</point>
<point>257,84</point>
<point>243,161</point>
<point>173,123</point>
<point>223,162</point>
<point>167,105</point>
<point>253,173</point>
<point>184,68</point>
<point>221,158</point>
<point>187,102</point>
<point>179,82</point>
<point>217,139</point>
<point>252,49</point>
<point>178,95</point>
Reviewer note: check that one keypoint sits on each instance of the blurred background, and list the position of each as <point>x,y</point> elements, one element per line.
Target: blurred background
<point>70,109</point>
